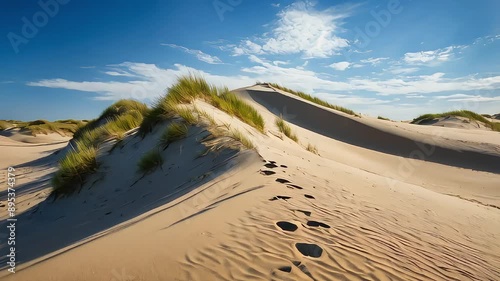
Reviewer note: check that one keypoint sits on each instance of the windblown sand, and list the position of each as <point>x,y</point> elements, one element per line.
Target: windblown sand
<point>382,201</point>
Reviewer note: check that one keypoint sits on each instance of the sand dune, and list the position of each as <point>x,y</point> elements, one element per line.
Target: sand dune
<point>360,210</point>
<point>455,122</point>
<point>349,130</point>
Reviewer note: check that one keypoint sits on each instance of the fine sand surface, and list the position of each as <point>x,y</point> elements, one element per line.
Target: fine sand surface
<point>362,209</point>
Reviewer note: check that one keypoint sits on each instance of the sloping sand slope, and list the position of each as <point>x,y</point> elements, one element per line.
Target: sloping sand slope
<point>360,210</point>
<point>455,122</point>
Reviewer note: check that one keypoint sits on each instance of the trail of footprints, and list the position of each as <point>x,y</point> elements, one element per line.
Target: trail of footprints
<point>306,249</point>
<point>291,244</point>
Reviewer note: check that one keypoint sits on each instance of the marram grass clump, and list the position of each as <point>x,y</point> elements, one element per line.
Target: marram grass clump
<point>73,169</point>
<point>82,160</point>
<point>238,136</point>
<point>191,87</point>
<point>312,148</point>
<point>174,132</point>
<point>285,129</point>
<point>150,161</point>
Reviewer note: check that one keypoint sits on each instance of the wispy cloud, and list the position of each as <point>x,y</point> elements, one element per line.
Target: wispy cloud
<point>374,61</point>
<point>87,67</point>
<point>300,29</point>
<point>149,81</point>
<point>467,98</point>
<point>433,57</point>
<point>403,70</point>
<point>199,54</point>
<point>485,40</point>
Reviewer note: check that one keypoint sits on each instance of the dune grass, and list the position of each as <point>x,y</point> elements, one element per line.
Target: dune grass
<point>62,127</point>
<point>285,129</point>
<point>191,87</point>
<point>122,107</point>
<point>150,161</point>
<point>312,148</point>
<point>383,118</point>
<point>151,118</point>
<point>231,104</point>
<point>73,169</point>
<point>210,119</point>
<point>4,125</point>
<point>115,111</point>
<point>174,132</point>
<point>312,99</point>
<point>495,126</point>
<point>240,137</point>
<point>117,119</point>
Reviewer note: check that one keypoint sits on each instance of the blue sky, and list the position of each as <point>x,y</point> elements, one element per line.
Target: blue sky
<point>70,59</point>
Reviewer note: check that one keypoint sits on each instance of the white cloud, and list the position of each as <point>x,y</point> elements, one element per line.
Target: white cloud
<point>300,29</point>
<point>403,70</point>
<point>341,66</point>
<point>350,99</point>
<point>278,62</point>
<point>118,72</point>
<point>433,57</point>
<point>199,54</point>
<point>467,98</point>
<point>150,82</point>
<point>87,67</point>
<point>415,96</point>
<point>374,61</point>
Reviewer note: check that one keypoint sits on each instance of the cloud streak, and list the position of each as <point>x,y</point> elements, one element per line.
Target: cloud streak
<point>197,53</point>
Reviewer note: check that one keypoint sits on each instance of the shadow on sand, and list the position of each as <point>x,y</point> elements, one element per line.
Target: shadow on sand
<point>55,226</point>
<point>350,131</point>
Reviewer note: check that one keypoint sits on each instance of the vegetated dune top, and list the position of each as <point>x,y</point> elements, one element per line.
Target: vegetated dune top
<point>355,207</point>
<point>456,122</point>
<point>478,150</point>
<point>17,137</point>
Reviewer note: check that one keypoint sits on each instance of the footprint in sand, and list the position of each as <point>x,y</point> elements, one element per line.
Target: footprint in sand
<point>309,250</point>
<point>282,180</point>
<point>302,267</point>
<point>307,213</point>
<point>287,226</point>
<point>270,165</point>
<point>286,269</point>
<point>309,196</point>
<point>317,224</point>
<point>295,186</point>
<point>267,172</point>
<point>280,197</point>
